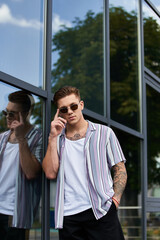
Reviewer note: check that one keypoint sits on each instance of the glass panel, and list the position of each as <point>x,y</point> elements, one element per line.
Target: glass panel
<point>124,63</point>
<point>153,223</point>
<point>153,138</point>
<point>151,39</point>
<point>156,4</point>
<point>77,58</point>
<point>21,42</point>
<point>53,231</point>
<point>130,213</point>
<point>30,122</point>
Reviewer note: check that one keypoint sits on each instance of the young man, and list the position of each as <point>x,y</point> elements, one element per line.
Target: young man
<point>20,168</point>
<point>81,155</point>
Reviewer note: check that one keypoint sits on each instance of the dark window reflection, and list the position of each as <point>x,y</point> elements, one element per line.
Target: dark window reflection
<point>78,51</point>
<point>20,162</point>
<point>151,23</point>
<point>153,138</point>
<point>130,207</point>
<point>124,64</point>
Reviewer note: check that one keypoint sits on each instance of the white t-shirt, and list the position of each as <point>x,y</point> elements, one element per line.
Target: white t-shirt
<point>8,178</point>
<point>76,195</point>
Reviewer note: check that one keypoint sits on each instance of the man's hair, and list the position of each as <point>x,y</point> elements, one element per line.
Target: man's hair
<point>24,98</point>
<point>65,91</point>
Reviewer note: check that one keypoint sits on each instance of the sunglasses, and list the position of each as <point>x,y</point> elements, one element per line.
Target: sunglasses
<point>73,107</point>
<point>9,114</point>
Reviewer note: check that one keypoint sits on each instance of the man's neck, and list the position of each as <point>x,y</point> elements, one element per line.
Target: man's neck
<point>77,131</point>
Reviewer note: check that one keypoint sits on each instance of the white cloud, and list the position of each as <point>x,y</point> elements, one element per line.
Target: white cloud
<point>58,22</point>
<point>7,18</point>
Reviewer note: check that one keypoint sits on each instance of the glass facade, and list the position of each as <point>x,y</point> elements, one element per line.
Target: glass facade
<point>153,137</point>
<point>109,50</point>
<point>21,42</point>
<point>151,23</point>
<point>153,221</point>
<point>77,49</point>
<point>124,77</point>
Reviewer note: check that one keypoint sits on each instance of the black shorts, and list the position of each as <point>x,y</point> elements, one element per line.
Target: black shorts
<point>9,233</point>
<point>84,226</point>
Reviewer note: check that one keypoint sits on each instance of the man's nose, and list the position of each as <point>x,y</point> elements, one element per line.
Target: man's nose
<point>70,110</point>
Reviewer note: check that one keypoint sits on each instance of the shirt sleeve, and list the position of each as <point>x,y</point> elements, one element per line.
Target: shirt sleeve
<point>35,144</point>
<point>114,151</point>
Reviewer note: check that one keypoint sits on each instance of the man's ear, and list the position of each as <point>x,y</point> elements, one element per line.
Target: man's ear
<point>82,104</point>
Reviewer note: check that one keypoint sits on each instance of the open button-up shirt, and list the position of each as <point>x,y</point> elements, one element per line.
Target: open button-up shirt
<point>102,151</point>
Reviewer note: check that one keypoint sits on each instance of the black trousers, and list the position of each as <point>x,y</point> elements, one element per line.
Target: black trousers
<point>84,226</point>
<point>9,233</point>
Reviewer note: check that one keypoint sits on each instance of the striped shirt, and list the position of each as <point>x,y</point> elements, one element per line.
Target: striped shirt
<point>102,151</point>
<point>28,192</point>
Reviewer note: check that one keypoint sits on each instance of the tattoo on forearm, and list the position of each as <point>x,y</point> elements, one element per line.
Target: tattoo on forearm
<point>119,179</point>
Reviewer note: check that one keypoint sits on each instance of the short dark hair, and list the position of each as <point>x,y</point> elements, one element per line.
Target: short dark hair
<point>24,98</point>
<point>65,91</point>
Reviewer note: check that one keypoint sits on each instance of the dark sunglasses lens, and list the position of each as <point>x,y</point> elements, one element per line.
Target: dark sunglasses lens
<point>4,113</point>
<point>63,110</point>
<point>74,107</point>
<point>9,114</point>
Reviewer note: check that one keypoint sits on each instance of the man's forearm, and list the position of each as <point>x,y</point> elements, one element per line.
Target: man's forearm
<point>119,180</point>
<point>30,165</point>
<point>51,160</point>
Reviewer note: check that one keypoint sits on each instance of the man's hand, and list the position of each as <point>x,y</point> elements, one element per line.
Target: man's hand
<point>57,125</point>
<point>18,127</point>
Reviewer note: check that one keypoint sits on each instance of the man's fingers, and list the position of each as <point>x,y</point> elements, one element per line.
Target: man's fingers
<point>20,117</point>
<point>57,113</point>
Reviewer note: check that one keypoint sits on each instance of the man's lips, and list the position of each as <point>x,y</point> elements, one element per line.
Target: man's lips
<point>71,118</point>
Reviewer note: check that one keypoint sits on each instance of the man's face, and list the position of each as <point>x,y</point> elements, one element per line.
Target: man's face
<point>12,111</point>
<point>74,108</point>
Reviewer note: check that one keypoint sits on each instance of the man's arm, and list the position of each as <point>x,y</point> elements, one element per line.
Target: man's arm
<point>50,162</point>
<point>119,181</point>
<point>30,165</point>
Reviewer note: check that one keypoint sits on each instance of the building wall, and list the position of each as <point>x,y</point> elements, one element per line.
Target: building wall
<point>110,50</point>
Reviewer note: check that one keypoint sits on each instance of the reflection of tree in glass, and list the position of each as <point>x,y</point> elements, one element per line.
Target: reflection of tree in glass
<point>37,113</point>
<point>124,67</point>
<point>80,60</point>
<point>152,45</point>
<point>153,136</point>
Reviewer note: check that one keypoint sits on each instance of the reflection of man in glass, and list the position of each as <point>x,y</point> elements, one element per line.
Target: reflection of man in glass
<point>20,168</point>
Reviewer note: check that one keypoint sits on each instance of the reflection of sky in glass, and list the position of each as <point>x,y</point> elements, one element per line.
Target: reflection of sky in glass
<point>65,12</point>
<point>156,3</point>
<point>148,12</point>
<point>21,28</point>
<point>127,5</point>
